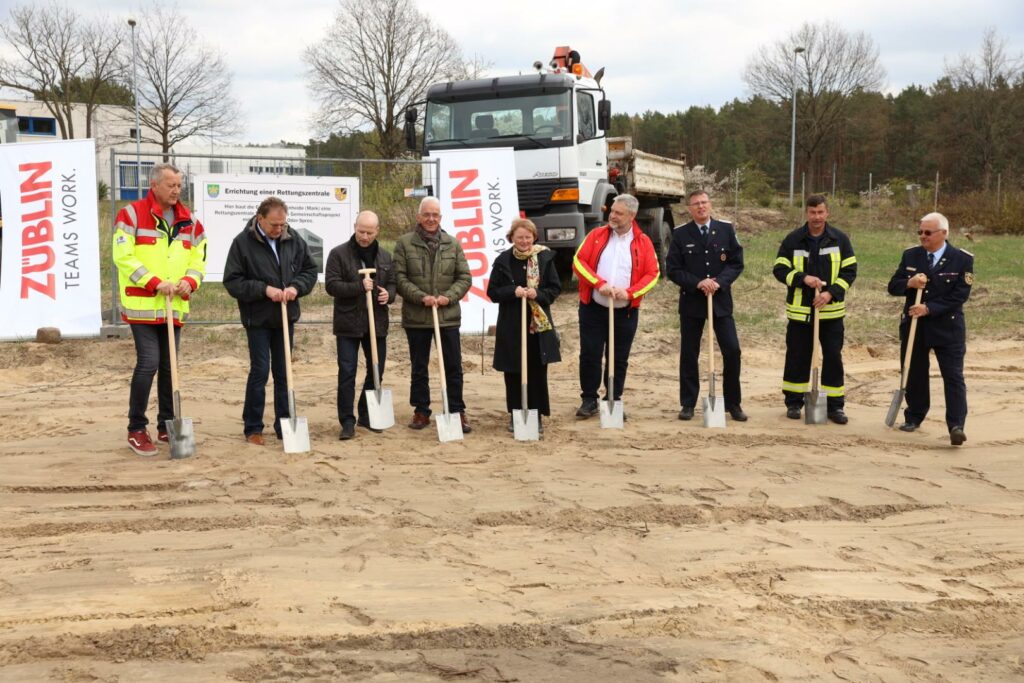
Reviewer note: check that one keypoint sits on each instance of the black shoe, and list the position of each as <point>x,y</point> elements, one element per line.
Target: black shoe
<point>365,424</point>
<point>348,431</point>
<point>909,426</point>
<point>736,413</point>
<point>686,413</point>
<point>957,436</point>
<point>588,408</point>
<point>511,424</point>
<point>793,412</point>
<point>839,417</point>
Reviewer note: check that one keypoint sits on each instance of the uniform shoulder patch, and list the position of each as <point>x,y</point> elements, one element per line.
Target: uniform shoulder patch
<point>969,278</point>
<point>968,253</point>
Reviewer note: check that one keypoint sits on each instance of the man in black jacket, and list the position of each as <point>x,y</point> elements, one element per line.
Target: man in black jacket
<point>351,320</point>
<point>817,264</point>
<point>268,263</point>
<point>946,274</point>
<point>704,259</point>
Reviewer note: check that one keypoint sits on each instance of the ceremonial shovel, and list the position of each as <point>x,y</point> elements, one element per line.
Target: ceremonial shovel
<point>815,402</point>
<point>294,430</point>
<point>611,410</point>
<point>525,422</point>
<point>897,396</point>
<point>379,407</point>
<point>179,430</point>
<point>714,407</point>
<point>449,426</point>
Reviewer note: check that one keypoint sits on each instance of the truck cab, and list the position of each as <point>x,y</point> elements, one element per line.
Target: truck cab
<point>554,119</point>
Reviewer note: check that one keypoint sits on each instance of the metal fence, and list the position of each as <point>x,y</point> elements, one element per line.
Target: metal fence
<point>129,180</point>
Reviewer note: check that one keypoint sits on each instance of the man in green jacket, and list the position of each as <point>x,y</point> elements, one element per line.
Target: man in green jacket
<point>431,270</point>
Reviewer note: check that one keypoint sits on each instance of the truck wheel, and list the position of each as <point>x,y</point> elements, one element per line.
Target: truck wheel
<point>664,243</point>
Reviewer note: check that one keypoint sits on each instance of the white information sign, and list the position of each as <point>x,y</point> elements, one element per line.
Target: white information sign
<point>479,201</point>
<point>50,274</point>
<point>321,209</point>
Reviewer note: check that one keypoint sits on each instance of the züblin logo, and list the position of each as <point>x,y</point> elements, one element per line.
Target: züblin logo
<point>212,190</point>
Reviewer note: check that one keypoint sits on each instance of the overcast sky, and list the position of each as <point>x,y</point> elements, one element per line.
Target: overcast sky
<point>659,54</point>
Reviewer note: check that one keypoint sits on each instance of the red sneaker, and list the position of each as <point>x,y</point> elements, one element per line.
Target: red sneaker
<point>140,443</point>
<point>162,437</point>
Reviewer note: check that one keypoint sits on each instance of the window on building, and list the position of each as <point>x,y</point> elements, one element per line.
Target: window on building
<point>216,165</point>
<point>37,125</point>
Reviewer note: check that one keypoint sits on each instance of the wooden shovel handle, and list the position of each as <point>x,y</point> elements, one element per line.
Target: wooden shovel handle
<point>522,343</point>
<point>366,273</point>
<point>287,344</point>
<point>711,333</point>
<point>171,348</point>
<point>910,343</point>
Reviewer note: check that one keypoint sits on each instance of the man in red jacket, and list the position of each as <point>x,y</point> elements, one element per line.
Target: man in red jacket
<point>616,265</point>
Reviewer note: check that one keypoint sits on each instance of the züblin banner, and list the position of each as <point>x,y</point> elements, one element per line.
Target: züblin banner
<point>321,209</point>
<point>479,201</point>
<point>50,270</point>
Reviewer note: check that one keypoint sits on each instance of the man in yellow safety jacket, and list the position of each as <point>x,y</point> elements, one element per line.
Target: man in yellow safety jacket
<point>160,250</point>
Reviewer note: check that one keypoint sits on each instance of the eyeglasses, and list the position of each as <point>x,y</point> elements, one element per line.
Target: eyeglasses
<point>927,233</point>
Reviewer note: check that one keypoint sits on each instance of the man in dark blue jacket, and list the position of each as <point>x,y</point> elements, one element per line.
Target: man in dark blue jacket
<point>704,259</point>
<point>267,263</point>
<point>946,274</point>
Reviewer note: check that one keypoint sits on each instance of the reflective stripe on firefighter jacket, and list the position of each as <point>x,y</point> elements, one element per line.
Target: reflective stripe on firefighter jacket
<point>147,251</point>
<point>830,258</point>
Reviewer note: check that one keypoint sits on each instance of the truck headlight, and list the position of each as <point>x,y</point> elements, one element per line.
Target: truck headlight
<point>560,234</point>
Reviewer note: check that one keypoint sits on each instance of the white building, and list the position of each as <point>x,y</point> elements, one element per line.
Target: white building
<point>114,133</point>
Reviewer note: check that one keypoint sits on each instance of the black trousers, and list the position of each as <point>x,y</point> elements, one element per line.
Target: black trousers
<point>266,357</point>
<point>420,342</point>
<point>797,374</point>
<point>594,347</point>
<point>951,366</point>
<point>536,382</point>
<point>348,368</point>
<point>690,332</point>
<point>152,353</point>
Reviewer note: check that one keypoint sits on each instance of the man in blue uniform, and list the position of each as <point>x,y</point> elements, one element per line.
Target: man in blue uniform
<point>704,259</point>
<point>946,274</point>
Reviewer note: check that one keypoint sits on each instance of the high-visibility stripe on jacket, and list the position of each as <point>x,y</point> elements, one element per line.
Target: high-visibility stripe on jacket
<point>644,272</point>
<point>147,251</point>
<point>835,265</point>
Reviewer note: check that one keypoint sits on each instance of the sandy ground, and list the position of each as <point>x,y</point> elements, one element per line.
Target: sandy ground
<point>769,550</point>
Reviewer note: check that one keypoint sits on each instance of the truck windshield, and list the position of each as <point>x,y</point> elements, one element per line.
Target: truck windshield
<point>524,122</point>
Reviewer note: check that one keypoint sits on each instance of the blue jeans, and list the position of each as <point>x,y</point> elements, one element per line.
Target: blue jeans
<point>151,354</point>
<point>348,367</point>
<point>420,341</point>
<point>594,347</point>
<point>266,354</point>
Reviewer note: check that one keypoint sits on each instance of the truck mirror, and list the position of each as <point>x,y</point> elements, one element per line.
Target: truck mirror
<point>410,128</point>
<point>604,115</point>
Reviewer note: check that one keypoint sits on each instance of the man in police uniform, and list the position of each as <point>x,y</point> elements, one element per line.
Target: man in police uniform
<point>704,259</point>
<point>815,256</point>
<point>946,274</point>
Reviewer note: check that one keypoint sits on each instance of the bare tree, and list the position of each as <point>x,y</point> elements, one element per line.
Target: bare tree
<point>977,100</point>
<point>377,58</point>
<point>834,64</point>
<point>62,59</point>
<point>184,84</point>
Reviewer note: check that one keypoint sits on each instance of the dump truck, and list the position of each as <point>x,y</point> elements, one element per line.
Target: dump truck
<point>567,169</point>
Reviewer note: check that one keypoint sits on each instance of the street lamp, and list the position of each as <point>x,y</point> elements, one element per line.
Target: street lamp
<point>138,130</point>
<point>792,144</point>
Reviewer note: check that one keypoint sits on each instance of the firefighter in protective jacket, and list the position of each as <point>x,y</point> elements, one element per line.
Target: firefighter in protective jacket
<point>159,250</point>
<point>815,256</point>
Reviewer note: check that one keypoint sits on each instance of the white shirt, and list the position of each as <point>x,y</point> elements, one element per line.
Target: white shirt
<point>938,253</point>
<point>615,266</point>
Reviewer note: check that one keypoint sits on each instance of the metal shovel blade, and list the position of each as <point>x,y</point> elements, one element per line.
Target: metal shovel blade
<point>380,411</point>
<point>181,438</point>
<point>815,404</point>
<point>295,434</point>
<point>894,407</point>
<point>611,414</point>
<point>526,425</point>
<point>714,412</point>
<point>449,427</point>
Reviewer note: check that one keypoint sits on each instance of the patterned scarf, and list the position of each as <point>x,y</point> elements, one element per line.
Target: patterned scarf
<point>538,318</point>
<point>432,239</point>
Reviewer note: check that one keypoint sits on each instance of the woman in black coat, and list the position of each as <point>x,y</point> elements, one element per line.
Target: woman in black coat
<point>525,270</point>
